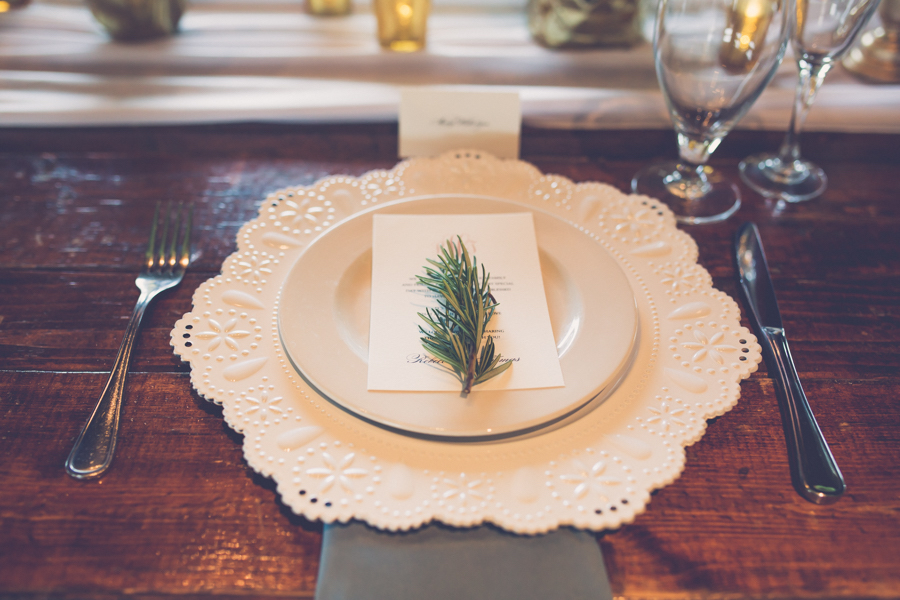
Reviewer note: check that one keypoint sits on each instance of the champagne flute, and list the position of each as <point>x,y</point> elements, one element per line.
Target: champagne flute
<point>822,30</point>
<point>713,59</point>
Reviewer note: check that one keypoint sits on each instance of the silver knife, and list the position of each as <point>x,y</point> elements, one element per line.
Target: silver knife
<point>814,472</point>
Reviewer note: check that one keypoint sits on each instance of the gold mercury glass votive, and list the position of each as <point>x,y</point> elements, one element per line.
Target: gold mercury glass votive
<point>877,56</point>
<point>7,5</point>
<point>402,24</point>
<point>135,20</point>
<point>329,8</point>
<point>747,27</point>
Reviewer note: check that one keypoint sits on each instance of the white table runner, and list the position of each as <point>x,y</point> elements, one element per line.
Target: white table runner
<point>267,60</point>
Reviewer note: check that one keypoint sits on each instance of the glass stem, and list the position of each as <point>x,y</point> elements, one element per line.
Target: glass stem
<point>695,149</point>
<point>812,75</point>
<point>689,181</point>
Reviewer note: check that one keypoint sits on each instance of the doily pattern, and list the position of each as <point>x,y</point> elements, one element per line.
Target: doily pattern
<point>595,472</point>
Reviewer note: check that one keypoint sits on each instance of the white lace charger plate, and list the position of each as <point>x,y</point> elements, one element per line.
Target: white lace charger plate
<point>323,320</point>
<point>595,472</point>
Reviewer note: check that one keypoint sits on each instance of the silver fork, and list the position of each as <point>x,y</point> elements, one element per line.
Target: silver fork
<point>168,254</point>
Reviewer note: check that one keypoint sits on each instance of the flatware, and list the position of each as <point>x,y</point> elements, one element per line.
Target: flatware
<point>167,256</point>
<point>814,472</point>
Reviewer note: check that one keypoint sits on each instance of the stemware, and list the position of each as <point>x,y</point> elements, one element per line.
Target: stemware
<point>713,59</point>
<point>822,30</point>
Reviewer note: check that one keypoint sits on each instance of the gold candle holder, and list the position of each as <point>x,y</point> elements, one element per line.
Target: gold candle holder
<point>402,24</point>
<point>7,5</point>
<point>748,24</point>
<point>877,57</point>
<point>135,20</point>
<point>329,8</point>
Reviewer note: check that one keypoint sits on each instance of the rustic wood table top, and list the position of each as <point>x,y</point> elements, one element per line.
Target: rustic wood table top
<point>180,514</point>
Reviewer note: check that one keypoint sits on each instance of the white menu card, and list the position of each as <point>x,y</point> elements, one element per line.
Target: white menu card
<point>506,245</point>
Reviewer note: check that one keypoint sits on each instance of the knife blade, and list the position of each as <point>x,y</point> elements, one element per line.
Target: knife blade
<point>814,472</point>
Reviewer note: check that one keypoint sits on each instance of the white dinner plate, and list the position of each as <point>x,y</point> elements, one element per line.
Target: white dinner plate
<point>323,320</point>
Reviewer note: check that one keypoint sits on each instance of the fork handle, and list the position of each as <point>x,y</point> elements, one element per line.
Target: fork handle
<point>94,448</point>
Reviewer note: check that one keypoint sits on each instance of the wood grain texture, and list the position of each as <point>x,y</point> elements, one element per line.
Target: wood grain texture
<point>179,511</point>
<point>181,514</point>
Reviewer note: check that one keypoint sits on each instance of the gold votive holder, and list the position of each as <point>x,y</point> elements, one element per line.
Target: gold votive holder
<point>7,5</point>
<point>329,8</point>
<point>136,20</point>
<point>876,58</point>
<point>746,29</point>
<point>402,24</point>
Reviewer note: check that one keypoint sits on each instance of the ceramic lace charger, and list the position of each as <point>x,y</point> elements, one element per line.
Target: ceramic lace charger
<point>592,464</point>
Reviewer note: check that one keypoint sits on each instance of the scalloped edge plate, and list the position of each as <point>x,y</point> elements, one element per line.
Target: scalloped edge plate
<point>595,472</point>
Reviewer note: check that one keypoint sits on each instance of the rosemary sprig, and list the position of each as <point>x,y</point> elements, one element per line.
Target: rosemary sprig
<point>465,306</point>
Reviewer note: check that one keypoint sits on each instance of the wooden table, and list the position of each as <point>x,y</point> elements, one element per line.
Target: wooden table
<point>181,515</point>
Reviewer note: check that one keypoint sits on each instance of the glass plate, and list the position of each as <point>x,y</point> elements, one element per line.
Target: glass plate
<point>323,322</point>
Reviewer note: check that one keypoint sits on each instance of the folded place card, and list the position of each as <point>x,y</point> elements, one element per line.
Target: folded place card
<point>506,245</point>
<point>434,121</point>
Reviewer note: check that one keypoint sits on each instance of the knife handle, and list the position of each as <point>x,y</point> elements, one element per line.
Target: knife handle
<point>814,472</point>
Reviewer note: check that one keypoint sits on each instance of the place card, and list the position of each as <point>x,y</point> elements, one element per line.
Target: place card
<point>506,245</point>
<point>433,121</point>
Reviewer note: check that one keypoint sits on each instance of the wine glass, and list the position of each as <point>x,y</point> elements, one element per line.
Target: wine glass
<point>822,30</point>
<point>713,59</point>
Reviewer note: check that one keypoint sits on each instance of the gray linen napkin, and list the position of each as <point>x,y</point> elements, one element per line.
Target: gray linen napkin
<point>443,563</point>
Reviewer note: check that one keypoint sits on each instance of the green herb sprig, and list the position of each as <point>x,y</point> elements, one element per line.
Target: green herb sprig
<point>465,306</point>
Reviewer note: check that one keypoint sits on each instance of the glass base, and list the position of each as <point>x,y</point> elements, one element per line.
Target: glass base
<point>696,194</point>
<point>795,182</point>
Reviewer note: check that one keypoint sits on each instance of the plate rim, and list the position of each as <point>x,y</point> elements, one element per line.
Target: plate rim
<point>584,404</point>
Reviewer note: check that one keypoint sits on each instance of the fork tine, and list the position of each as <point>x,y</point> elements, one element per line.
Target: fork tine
<point>161,255</point>
<point>150,255</point>
<point>185,255</point>
<point>173,240</point>
<point>169,247</point>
